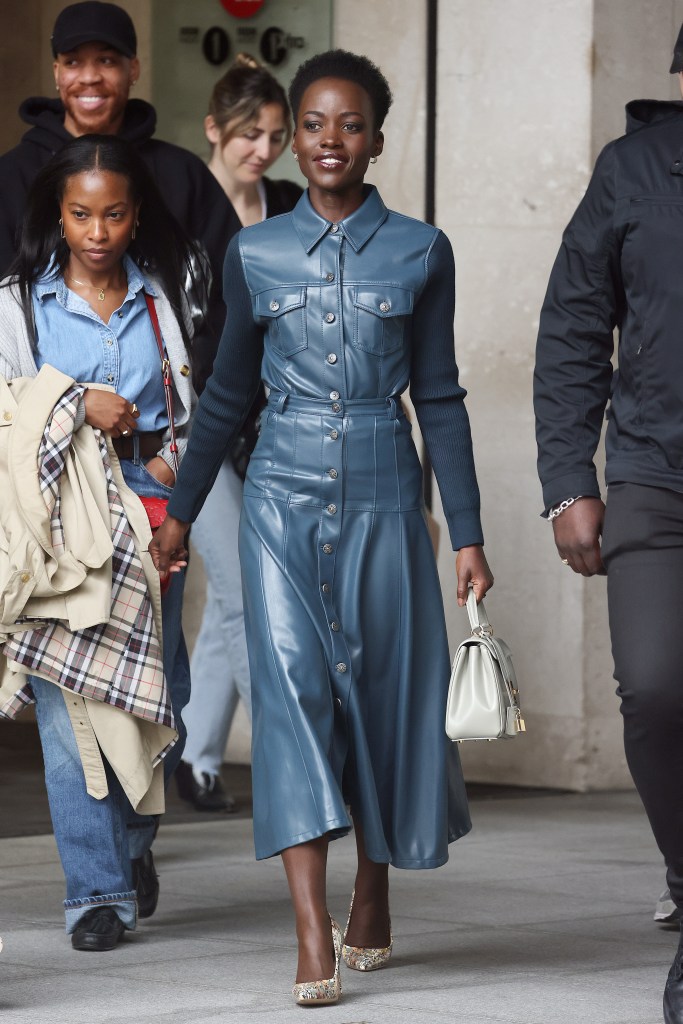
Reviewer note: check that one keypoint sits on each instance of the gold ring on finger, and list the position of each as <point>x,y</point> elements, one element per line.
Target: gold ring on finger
<point>134,409</point>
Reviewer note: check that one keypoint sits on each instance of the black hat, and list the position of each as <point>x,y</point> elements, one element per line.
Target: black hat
<point>92,22</point>
<point>677,64</point>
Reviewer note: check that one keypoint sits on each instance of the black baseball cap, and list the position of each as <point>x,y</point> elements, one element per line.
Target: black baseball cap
<point>92,22</point>
<point>677,64</point>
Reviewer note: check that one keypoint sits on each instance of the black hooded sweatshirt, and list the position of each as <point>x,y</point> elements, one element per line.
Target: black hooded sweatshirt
<point>190,191</point>
<point>620,266</point>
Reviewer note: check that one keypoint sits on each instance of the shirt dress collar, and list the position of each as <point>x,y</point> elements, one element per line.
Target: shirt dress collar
<point>358,227</point>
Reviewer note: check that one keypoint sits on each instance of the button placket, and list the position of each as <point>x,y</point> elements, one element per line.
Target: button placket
<point>332,482</point>
<point>330,313</point>
<point>110,354</point>
<point>330,532</point>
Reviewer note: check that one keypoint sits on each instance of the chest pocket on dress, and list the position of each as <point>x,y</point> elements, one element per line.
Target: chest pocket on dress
<point>283,311</point>
<point>380,317</point>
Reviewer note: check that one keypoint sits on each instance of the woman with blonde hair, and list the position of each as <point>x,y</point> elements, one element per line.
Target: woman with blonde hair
<point>248,126</point>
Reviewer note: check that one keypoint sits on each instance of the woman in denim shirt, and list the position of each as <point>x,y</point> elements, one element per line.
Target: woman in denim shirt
<point>97,239</point>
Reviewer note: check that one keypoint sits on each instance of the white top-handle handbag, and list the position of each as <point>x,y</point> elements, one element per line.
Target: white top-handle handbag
<point>483,697</point>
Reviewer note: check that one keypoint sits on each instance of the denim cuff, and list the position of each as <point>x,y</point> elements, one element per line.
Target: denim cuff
<point>124,903</point>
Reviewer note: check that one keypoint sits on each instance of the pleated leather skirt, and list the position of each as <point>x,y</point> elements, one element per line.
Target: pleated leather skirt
<point>346,634</point>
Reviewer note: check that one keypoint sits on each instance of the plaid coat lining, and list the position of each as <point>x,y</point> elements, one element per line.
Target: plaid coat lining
<point>119,661</point>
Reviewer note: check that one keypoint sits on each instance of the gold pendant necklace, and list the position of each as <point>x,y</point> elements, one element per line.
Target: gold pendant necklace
<point>83,284</point>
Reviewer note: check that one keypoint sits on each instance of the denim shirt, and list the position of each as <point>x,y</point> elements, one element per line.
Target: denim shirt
<point>122,353</point>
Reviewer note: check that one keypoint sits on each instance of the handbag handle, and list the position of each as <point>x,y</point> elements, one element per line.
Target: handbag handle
<point>166,374</point>
<point>479,620</point>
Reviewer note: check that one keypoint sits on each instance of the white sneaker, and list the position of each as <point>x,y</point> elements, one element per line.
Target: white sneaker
<point>666,911</point>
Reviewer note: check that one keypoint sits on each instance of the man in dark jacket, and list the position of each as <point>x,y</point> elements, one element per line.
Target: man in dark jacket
<point>620,266</point>
<point>95,66</point>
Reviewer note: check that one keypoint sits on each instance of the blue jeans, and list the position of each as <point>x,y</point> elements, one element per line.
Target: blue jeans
<point>96,839</point>
<point>220,662</point>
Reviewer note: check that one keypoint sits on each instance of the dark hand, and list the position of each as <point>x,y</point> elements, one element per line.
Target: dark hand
<point>472,567</point>
<point>167,546</point>
<point>110,412</point>
<point>577,536</point>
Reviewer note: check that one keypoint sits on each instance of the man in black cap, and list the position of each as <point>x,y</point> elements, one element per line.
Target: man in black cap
<point>95,66</point>
<point>619,267</point>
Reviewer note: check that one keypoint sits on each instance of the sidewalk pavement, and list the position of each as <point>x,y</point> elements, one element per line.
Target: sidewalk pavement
<point>542,916</point>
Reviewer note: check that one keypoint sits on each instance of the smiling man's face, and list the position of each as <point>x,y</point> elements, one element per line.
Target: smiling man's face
<point>94,81</point>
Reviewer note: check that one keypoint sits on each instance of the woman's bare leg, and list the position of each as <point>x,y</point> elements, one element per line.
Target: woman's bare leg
<point>306,867</point>
<point>369,925</point>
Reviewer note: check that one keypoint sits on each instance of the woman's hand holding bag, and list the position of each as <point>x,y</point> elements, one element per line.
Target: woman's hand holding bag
<point>483,695</point>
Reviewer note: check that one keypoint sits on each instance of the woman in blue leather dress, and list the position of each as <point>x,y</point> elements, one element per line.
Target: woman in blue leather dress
<point>338,306</point>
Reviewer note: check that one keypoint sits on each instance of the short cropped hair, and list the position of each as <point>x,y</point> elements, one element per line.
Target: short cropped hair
<point>342,64</point>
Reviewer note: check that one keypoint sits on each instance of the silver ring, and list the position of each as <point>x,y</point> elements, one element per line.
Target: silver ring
<point>134,409</point>
<point>124,433</point>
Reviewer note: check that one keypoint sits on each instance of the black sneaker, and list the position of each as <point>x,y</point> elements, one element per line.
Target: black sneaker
<point>146,884</point>
<point>205,795</point>
<point>98,930</point>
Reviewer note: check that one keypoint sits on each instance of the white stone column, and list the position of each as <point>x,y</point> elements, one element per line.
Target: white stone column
<point>528,93</point>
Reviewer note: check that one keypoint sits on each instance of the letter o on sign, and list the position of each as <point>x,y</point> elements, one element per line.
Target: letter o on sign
<point>216,45</point>
<point>242,8</point>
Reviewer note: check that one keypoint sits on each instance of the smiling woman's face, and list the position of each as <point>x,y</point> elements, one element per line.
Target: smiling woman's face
<point>335,138</point>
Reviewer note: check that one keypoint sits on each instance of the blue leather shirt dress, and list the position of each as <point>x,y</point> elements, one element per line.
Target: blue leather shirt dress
<point>345,624</point>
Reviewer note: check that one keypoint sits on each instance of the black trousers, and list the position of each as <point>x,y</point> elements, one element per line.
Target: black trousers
<point>643,551</point>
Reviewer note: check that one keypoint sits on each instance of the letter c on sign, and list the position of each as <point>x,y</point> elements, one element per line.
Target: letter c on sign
<point>274,46</point>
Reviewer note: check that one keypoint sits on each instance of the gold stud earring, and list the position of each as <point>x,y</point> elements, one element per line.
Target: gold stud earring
<point>61,228</point>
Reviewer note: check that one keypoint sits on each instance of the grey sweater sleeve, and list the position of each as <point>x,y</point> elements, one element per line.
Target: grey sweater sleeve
<point>16,354</point>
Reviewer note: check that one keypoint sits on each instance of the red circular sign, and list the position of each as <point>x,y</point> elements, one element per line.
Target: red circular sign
<point>242,8</point>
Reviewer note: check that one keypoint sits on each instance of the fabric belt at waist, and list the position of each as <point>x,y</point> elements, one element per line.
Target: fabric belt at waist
<point>390,407</point>
<point>149,444</point>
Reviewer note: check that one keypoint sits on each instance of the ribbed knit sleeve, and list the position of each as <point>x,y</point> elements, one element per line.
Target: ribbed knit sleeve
<point>439,399</point>
<point>228,395</point>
